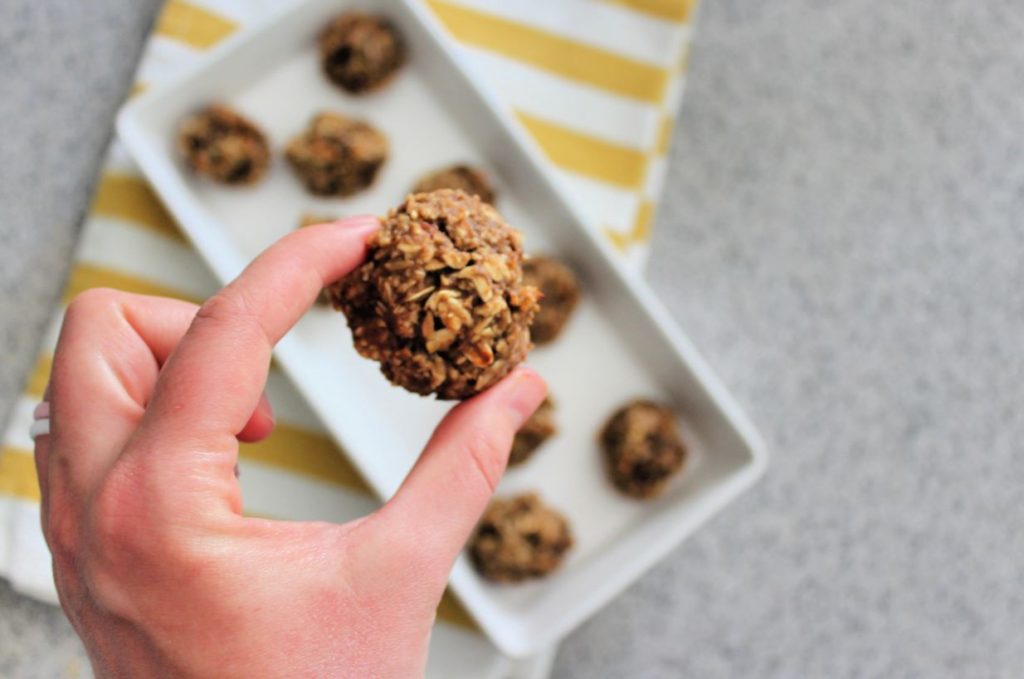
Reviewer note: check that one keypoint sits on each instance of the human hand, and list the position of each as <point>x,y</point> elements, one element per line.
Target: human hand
<point>156,567</point>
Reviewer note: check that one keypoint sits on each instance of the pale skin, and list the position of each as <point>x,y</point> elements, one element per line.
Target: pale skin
<point>158,570</point>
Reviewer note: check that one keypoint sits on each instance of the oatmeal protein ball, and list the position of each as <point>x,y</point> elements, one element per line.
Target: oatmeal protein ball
<point>560,290</point>
<point>538,429</point>
<point>440,301</point>
<point>519,538</point>
<point>360,52</point>
<point>337,156</point>
<point>220,144</point>
<point>463,177</point>
<point>642,448</point>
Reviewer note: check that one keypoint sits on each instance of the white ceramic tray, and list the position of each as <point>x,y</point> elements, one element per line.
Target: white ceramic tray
<point>619,344</point>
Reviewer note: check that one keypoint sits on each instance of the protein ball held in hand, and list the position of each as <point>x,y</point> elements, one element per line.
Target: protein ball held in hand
<point>463,177</point>
<point>360,52</point>
<point>220,144</point>
<point>440,301</point>
<point>560,292</point>
<point>538,429</point>
<point>337,156</point>
<point>642,448</point>
<point>519,538</point>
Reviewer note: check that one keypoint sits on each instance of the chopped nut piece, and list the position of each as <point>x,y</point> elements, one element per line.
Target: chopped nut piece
<point>223,145</point>
<point>519,538</point>
<point>440,301</point>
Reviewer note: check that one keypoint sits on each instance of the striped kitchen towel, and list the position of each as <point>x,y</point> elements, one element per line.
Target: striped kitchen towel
<point>596,83</point>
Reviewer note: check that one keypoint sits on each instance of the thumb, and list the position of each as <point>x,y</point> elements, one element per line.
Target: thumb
<point>448,489</point>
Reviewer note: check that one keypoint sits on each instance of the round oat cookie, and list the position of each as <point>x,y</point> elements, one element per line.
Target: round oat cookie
<point>538,429</point>
<point>337,155</point>
<point>472,180</point>
<point>560,292</point>
<point>642,448</point>
<point>224,146</point>
<point>440,301</point>
<point>519,538</point>
<point>361,52</point>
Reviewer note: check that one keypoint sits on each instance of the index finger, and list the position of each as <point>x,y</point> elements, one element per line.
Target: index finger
<point>214,378</point>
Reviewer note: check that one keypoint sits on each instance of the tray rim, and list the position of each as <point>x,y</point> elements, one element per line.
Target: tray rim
<point>131,130</point>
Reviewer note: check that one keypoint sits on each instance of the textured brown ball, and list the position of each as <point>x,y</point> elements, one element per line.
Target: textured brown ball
<point>360,52</point>
<point>223,145</point>
<point>462,177</point>
<point>440,301</point>
<point>560,292</point>
<point>538,429</point>
<point>337,156</point>
<point>642,448</point>
<point>519,538</point>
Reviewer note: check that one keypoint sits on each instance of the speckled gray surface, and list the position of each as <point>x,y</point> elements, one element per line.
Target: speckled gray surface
<point>842,236</point>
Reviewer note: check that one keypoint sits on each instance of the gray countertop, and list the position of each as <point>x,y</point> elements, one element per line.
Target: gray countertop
<point>842,235</point>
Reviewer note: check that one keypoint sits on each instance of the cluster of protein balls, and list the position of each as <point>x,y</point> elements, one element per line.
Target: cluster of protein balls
<point>446,300</point>
<point>337,155</point>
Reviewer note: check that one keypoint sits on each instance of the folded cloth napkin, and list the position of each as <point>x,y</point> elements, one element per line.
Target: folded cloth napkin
<point>596,83</point>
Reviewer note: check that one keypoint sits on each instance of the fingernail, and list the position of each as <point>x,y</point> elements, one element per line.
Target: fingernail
<point>360,222</point>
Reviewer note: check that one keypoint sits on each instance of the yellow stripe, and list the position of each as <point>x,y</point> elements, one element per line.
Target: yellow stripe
<point>18,474</point>
<point>664,135</point>
<point>590,156</point>
<point>639,233</point>
<point>131,199</point>
<point>643,221</point>
<point>684,60</point>
<point>137,89</point>
<point>674,10</point>
<point>553,53</point>
<point>619,240</point>
<point>85,276</point>
<point>40,375</point>
<point>307,453</point>
<point>193,25</point>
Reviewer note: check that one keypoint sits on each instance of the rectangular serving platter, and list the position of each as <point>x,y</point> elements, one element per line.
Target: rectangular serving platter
<point>620,343</point>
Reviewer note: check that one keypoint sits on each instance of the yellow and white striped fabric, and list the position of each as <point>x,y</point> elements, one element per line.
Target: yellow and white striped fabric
<point>595,82</point>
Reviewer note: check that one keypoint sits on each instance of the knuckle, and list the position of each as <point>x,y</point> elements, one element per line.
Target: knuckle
<point>62,533</point>
<point>105,587</point>
<point>113,522</point>
<point>225,306</point>
<point>230,308</point>
<point>127,530</point>
<point>88,302</point>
